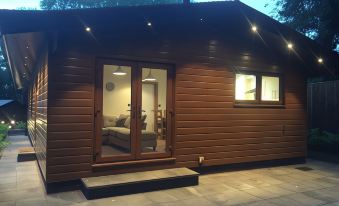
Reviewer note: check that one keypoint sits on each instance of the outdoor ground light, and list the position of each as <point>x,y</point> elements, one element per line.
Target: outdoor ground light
<point>12,122</point>
<point>9,127</point>
<point>2,122</point>
<point>88,29</point>
<point>149,24</point>
<point>119,72</point>
<point>320,60</point>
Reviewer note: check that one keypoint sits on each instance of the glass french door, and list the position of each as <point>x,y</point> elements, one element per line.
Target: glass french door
<point>133,111</point>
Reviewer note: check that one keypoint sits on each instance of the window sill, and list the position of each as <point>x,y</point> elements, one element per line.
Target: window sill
<point>241,105</point>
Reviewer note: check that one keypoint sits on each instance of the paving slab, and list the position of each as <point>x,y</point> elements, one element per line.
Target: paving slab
<point>21,185</point>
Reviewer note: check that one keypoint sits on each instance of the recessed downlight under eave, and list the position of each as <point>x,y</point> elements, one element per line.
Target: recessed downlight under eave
<point>21,51</point>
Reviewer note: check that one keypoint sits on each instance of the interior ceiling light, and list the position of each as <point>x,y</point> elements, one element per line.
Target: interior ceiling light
<point>150,77</point>
<point>119,72</point>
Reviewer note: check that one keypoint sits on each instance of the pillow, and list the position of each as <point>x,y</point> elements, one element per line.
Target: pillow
<point>121,120</point>
<point>128,123</point>
<point>143,118</point>
<point>110,121</point>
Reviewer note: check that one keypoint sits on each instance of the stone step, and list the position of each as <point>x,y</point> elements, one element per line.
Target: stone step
<point>130,183</point>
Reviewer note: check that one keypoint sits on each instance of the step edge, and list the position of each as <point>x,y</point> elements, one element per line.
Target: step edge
<point>135,182</point>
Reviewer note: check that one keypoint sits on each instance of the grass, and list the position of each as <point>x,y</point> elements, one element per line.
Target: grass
<point>323,141</point>
<point>3,135</point>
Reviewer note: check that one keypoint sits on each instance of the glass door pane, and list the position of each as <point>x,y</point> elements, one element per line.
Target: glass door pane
<point>116,127</point>
<point>153,112</point>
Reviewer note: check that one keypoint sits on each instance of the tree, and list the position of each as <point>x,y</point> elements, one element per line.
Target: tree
<point>318,19</point>
<point>6,83</point>
<point>79,4</point>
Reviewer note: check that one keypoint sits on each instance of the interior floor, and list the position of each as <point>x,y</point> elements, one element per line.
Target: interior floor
<point>108,150</point>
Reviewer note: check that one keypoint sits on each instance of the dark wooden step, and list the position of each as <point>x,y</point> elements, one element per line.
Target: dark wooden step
<point>130,183</point>
<point>26,154</point>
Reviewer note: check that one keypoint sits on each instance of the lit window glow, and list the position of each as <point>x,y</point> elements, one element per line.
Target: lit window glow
<point>269,88</point>
<point>245,87</point>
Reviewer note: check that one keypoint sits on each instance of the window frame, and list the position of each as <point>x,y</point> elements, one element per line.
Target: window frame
<point>258,102</point>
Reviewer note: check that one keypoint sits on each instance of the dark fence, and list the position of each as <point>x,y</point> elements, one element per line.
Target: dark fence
<point>323,105</point>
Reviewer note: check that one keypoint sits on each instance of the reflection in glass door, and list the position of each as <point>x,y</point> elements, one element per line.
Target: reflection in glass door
<point>116,132</point>
<point>153,137</point>
<point>133,107</point>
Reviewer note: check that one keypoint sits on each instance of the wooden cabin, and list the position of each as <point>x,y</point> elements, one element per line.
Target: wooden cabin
<point>126,89</point>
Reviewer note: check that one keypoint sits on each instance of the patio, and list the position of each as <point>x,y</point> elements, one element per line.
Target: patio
<point>21,185</point>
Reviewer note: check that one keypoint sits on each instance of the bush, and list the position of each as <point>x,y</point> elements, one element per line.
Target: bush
<point>3,128</point>
<point>324,141</point>
<point>3,135</point>
<point>20,125</point>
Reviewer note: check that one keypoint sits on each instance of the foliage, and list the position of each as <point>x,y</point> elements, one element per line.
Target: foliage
<point>3,135</point>
<point>6,83</point>
<point>79,4</point>
<point>323,141</point>
<point>20,125</point>
<point>314,18</point>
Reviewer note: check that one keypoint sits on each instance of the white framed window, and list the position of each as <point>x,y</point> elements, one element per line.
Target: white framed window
<point>245,87</point>
<point>258,88</point>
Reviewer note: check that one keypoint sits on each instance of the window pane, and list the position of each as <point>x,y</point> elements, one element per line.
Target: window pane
<point>245,87</point>
<point>270,88</point>
<point>154,120</point>
<point>116,102</point>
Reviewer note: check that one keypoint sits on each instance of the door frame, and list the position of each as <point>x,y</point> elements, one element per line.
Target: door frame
<point>136,100</point>
<point>98,116</point>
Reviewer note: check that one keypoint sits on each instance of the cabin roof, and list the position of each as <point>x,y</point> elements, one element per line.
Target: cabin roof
<point>225,12</point>
<point>4,102</point>
<point>223,17</point>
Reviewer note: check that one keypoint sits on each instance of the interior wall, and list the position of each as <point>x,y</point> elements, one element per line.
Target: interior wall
<point>161,81</point>
<point>117,101</point>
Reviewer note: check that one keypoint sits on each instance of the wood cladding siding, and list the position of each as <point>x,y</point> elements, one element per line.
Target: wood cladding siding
<point>70,117</point>
<point>208,124</point>
<point>37,114</point>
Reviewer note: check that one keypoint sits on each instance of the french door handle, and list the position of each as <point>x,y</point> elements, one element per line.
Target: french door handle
<point>133,112</point>
<point>97,112</point>
<point>139,112</point>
